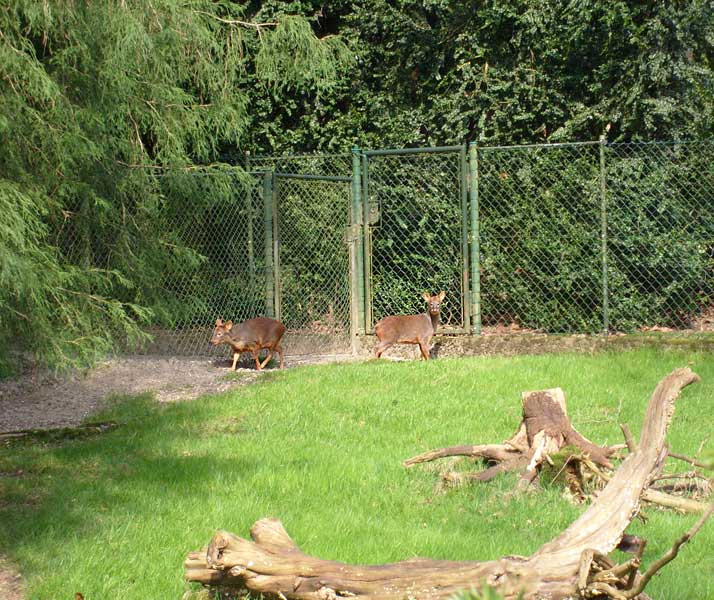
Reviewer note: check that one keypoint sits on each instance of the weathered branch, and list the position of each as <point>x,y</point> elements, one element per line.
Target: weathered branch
<point>691,461</point>
<point>247,24</point>
<point>271,563</point>
<point>629,439</point>
<point>670,555</point>
<point>675,502</point>
<point>494,452</point>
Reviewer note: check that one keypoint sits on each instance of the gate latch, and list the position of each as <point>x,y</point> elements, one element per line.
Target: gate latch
<point>351,234</point>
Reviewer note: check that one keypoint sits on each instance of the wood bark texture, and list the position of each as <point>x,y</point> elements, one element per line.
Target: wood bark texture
<point>544,430</point>
<point>572,565</point>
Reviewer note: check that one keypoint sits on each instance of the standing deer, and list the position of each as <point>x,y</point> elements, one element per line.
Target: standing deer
<point>410,329</point>
<point>250,336</point>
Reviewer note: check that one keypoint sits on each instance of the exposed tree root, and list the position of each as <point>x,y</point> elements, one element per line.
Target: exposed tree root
<point>60,433</point>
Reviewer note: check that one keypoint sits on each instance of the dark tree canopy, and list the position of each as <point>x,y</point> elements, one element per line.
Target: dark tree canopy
<point>504,72</point>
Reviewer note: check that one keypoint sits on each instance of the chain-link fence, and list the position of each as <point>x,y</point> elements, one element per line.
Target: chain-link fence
<point>596,237</point>
<point>540,238</point>
<point>560,238</point>
<point>214,259</point>
<point>660,237</point>
<point>312,271</point>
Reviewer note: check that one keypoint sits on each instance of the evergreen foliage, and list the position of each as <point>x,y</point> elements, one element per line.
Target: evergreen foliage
<point>503,72</point>
<point>109,108</point>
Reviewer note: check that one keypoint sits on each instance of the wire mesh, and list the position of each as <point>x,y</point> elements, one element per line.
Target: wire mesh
<point>661,236</point>
<point>416,234</point>
<point>313,278</point>
<point>540,225</point>
<point>214,259</point>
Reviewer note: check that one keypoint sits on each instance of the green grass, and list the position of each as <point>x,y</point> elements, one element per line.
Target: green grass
<point>320,447</point>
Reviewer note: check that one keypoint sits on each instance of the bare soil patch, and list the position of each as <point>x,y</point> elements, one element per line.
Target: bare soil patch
<point>11,586</point>
<point>44,401</point>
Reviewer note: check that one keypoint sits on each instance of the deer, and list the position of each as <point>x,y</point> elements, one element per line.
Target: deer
<point>250,336</point>
<point>410,329</point>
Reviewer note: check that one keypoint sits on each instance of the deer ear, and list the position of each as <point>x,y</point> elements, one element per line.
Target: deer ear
<point>426,297</point>
<point>442,295</point>
<point>229,325</point>
<point>219,322</point>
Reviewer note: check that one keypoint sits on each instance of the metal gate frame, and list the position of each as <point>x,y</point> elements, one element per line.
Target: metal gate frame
<point>364,217</point>
<point>273,240</point>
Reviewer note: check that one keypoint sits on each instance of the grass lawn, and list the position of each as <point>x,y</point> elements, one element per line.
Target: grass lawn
<point>320,448</point>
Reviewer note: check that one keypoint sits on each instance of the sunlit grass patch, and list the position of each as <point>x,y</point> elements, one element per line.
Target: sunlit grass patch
<point>321,447</point>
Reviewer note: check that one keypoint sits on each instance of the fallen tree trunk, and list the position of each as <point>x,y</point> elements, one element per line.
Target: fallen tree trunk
<point>572,565</point>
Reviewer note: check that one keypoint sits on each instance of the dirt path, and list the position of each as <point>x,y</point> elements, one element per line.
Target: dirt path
<point>11,587</point>
<point>43,401</point>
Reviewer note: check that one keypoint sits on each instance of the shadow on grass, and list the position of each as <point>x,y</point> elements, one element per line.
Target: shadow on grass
<point>61,489</point>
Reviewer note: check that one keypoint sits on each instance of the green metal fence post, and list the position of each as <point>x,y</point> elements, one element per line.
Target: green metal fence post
<point>367,245</point>
<point>603,238</point>
<point>464,184</point>
<point>474,239</point>
<point>357,275</point>
<point>268,214</point>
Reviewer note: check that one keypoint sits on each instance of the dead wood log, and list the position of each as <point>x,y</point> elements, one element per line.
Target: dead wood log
<point>572,565</point>
<point>544,430</point>
<point>691,461</point>
<point>59,433</point>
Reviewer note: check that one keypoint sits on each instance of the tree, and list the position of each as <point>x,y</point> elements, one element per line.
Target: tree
<point>504,72</point>
<point>97,99</point>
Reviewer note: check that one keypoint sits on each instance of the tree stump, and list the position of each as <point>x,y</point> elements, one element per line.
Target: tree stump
<point>572,565</point>
<point>544,430</point>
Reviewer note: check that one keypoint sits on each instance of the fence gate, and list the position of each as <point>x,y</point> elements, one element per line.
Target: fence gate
<point>312,261</point>
<point>416,227</point>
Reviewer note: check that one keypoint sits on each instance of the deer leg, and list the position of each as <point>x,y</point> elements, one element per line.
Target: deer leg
<point>279,350</point>
<point>236,356</point>
<point>381,347</point>
<point>267,358</point>
<point>257,359</point>
<point>424,347</point>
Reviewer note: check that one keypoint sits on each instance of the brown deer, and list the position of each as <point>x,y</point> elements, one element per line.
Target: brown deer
<point>250,336</point>
<point>410,329</point>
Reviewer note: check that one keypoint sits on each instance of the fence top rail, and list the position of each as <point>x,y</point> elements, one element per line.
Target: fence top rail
<point>634,143</point>
<point>705,142</point>
<point>206,170</point>
<point>273,157</point>
<point>457,148</point>
<point>430,150</point>
<point>313,177</point>
<point>531,146</point>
